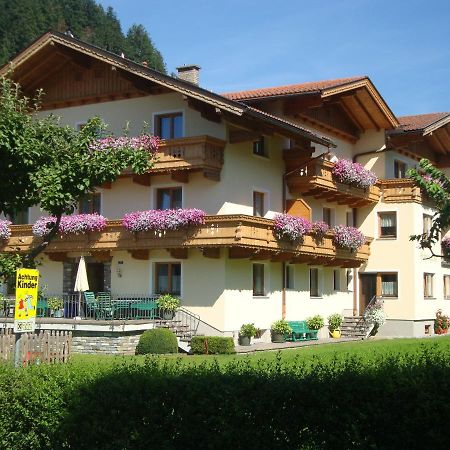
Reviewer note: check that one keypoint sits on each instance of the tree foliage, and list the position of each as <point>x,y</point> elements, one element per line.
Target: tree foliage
<point>22,21</point>
<point>436,186</point>
<point>42,162</point>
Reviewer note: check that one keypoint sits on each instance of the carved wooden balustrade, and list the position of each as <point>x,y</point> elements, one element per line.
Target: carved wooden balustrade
<point>315,178</point>
<point>243,236</point>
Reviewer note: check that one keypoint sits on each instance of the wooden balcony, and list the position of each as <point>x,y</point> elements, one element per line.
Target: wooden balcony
<point>402,190</point>
<point>180,157</point>
<point>242,236</point>
<point>315,178</point>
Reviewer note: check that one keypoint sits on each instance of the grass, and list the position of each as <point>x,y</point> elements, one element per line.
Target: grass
<point>368,350</point>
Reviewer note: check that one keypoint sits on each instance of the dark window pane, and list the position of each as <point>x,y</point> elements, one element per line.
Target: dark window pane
<point>176,279</point>
<point>314,282</point>
<point>258,279</point>
<point>162,278</point>
<point>176,198</point>
<point>178,126</point>
<point>164,127</point>
<point>164,196</point>
<point>258,204</point>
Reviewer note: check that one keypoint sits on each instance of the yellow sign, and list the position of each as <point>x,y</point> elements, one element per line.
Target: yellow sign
<point>26,300</point>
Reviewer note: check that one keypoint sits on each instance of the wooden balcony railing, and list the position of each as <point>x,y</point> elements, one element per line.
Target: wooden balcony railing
<point>315,178</point>
<point>200,153</point>
<point>401,190</point>
<point>243,236</point>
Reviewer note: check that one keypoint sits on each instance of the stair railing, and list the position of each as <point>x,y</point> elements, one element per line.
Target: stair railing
<point>372,303</point>
<point>188,320</point>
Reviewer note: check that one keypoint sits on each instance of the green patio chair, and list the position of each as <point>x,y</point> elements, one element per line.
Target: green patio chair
<point>106,307</point>
<point>92,307</point>
<point>42,307</point>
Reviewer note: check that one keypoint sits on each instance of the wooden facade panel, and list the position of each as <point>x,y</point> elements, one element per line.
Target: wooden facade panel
<point>298,208</point>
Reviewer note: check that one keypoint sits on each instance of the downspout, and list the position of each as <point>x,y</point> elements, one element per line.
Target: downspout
<point>284,195</point>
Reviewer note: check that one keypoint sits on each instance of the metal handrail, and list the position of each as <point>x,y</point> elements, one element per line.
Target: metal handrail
<point>372,302</point>
<point>190,319</point>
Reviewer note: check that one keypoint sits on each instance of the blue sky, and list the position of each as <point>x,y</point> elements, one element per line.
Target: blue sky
<point>402,45</point>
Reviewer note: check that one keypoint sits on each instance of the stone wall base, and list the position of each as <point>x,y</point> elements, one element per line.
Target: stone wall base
<point>105,343</point>
<point>406,328</point>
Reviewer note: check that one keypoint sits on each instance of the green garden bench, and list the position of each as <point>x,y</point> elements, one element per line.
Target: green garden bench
<point>300,332</point>
<point>140,308</point>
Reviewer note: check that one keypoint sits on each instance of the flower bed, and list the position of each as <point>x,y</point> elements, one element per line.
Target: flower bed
<point>290,227</point>
<point>143,142</point>
<point>441,323</point>
<point>5,230</point>
<point>348,172</point>
<point>349,238</point>
<point>320,229</point>
<point>76,224</point>
<point>162,220</point>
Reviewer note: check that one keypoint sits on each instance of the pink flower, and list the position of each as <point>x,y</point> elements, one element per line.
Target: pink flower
<point>5,230</point>
<point>290,227</point>
<point>79,223</point>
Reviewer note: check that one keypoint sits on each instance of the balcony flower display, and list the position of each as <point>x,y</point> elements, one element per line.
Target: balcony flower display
<point>319,229</point>
<point>348,172</point>
<point>445,244</point>
<point>163,220</point>
<point>143,142</point>
<point>75,224</point>
<point>290,227</point>
<point>5,230</point>
<point>349,238</point>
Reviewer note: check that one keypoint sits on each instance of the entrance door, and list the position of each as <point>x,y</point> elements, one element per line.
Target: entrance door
<point>368,288</point>
<point>95,274</point>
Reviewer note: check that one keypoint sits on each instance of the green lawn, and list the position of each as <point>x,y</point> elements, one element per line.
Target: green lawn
<point>368,349</point>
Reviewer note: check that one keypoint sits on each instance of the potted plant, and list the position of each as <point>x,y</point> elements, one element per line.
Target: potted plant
<point>334,322</point>
<point>247,331</point>
<point>56,306</point>
<point>315,322</point>
<point>280,329</point>
<point>441,323</point>
<point>168,305</point>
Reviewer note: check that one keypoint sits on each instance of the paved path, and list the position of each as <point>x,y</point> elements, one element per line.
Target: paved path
<point>264,346</point>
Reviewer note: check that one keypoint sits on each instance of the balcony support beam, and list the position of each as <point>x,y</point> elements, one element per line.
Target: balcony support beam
<point>140,254</point>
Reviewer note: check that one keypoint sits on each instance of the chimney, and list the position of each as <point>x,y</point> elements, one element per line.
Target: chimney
<point>189,73</point>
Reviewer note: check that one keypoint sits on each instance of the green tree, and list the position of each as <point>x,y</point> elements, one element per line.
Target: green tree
<point>140,48</point>
<point>42,162</point>
<point>436,186</point>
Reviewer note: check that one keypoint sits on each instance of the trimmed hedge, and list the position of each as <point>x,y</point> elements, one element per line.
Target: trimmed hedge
<point>212,345</point>
<point>157,341</point>
<point>392,401</point>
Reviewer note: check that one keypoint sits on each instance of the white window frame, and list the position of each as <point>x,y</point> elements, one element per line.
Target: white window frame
<point>332,214</point>
<point>153,263</point>
<point>266,199</point>
<point>319,282</point>
<point>265,157</point>
<point>339,279</point>
<point>154,193</point>
<point>290,267</point>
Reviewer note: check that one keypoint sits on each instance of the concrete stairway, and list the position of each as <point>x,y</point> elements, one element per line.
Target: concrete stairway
<point>183,332</point>
<point>355,327</point>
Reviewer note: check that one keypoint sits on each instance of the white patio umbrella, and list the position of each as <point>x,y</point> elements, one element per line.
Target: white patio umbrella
<point>81,281</point>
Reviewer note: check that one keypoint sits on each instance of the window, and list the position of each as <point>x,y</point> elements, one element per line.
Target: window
<point>169,198</point>
<point>168,278</point>
<point>169,126</point>
<point>427,221</point>
<point>389,285</point>
<point>327,216</point>
<point>388,224</point>
<point>90,204</point>
<point>290,271</point>
<point>258,280</point>
<point>259,147</point>
<point>447,287</point>
<point>314,283</point>
<point>349,279</point>
<point>19,217</point>
<point>258,204</point>
<point>399,169</point>
<point>336,280</point>
<point>428,285</point>
<point>349,218</point>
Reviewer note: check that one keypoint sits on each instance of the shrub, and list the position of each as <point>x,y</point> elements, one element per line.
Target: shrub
<point>55,303</point>
<point>315,322</point>
<point>157,341</point>
<point>248,330</point>
<point>213,345</point>
<point>348,172</point>
<point>168,302</point>
<point>281,327</point>
<point>162,220</point>
<point>441,322</point>
<point>334,321</point>
<point>290,227</point>
<point>349,238</point>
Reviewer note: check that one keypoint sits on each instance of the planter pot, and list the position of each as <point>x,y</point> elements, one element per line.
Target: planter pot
<point>335,334</point>
<point>277,338</point>
<point>168,315</point>
<point>244,340</point>
<point>58,313</point>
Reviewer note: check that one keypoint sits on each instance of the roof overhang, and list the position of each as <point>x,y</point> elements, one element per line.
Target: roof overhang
<point>37,56</point>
